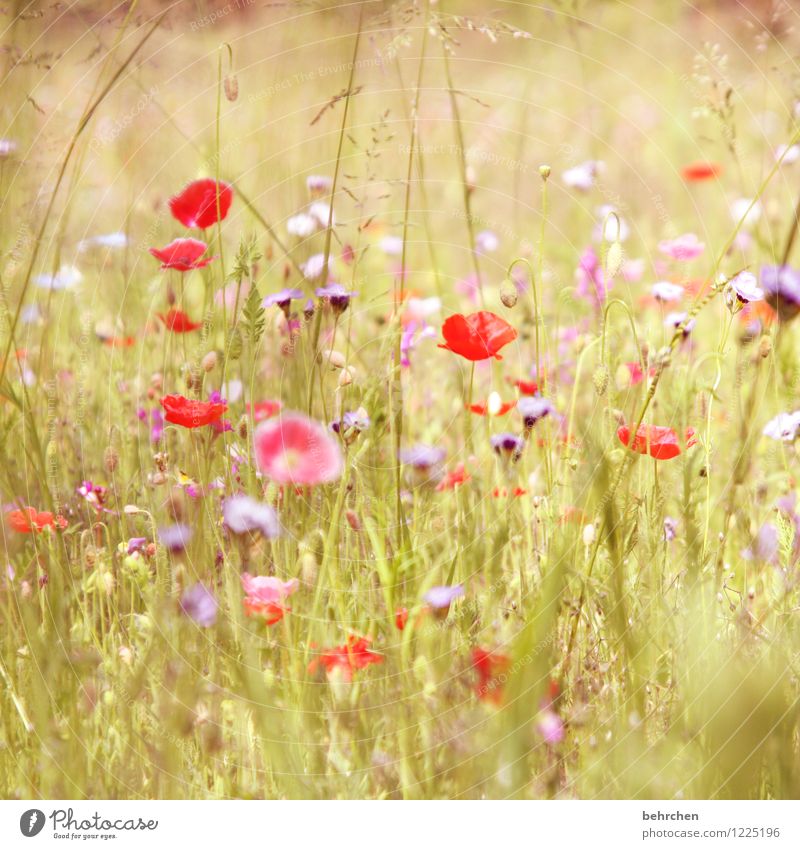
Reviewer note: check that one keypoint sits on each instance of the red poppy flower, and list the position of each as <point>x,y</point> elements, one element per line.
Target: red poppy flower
<point>354,654</point>
<point>179,322</point>
<point>401,618</point>
<point>697,172</point>
<point>491,667</point>
<point>264,597</point>
<point>526,387</point>
<point>477,336</point>
<point>661,443</point>
<point>451,480</point>
<point>188,413</point>
<point>183,255</point>
<point>636,373</point>
<point>28,519</point>
<point>264,410</point>
<point>484,408</point>
<point>196,205</point>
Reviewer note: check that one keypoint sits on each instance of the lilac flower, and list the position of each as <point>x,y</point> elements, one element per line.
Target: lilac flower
<point>781,285</point>
<point>136,544</point>
<point>282,299</point>
<point>683,248</point>
<point>765,546</point>
<point>413,333</point>
<point>590,278</point>
<point>677,319</point>
<point>67,277</point>
<point>315,265</point>
<point>440,598</point>
<point>670,528</point>
<point>424,462</point>
<point>744,287</point>
<point>337,295</point>
<point>508,445</point>
<point>582,177</point>
<point>301,225</point>
<point>243,514</point>
<point>321,211</point>
<point>783,427</point>
<point>199,604</point>
<point>551,727</point>
<point>353,420</point>
<point>486,242</point>
<point>7,147</point>
<point>667,292</point>
<point>391,245</point>
<point>107,240</point>
<point>318,184</point>
<point>175,537</point>
<point>534,408</point>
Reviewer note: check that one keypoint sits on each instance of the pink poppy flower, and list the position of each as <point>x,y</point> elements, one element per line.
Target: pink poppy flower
<point>683,248</point>
<point>265,596</point>
<point>183,255</point>
<point>293,449</point>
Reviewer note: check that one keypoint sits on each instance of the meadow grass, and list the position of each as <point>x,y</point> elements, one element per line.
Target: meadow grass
<point>641,613</point>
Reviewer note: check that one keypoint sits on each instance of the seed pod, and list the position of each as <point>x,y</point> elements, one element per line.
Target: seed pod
<point>110,459</point>
<point>764,347</point>
<point>241,428</point>
<point>600,379</point>
<point>508,293</point>
<point>231,86</point>
<point>209,361</point>
<point>614,259</point>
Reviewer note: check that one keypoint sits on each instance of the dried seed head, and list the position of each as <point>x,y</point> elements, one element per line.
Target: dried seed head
<point>241,428</point>
<point>764,347</point>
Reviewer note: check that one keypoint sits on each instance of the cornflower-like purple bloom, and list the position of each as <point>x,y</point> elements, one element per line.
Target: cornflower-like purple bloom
<point>533,408</point>
<point>243,514</point>
<point>199,604</point>
<point>440,598</point>
<point>781,285</point>
<point>176,537</point>
<point>508,445</point>
<point>337,295</point>
<point>282,299</point>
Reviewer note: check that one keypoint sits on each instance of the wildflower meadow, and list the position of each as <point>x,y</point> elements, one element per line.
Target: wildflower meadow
<point>400,400</point>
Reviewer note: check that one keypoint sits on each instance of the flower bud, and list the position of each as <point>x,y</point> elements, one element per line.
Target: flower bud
<point>231,86</point>
<point>544,171</point>
<point>508,293</point>
<point>614,259</point>
<point>209,361</point>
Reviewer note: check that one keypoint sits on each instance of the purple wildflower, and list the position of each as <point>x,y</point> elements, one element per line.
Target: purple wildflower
<point>337,295</point>
<point>243,514</point>
<point>440,598</point>
<point>175,537</point>
<point>282,299</point>
<point>508,445</point>
<point>533,408</point>
<point>199,604</point>
<point>781,285</point>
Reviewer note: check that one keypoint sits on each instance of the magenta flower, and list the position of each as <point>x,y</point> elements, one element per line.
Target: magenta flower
<point>293,449</point>
<point>550,726</point>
